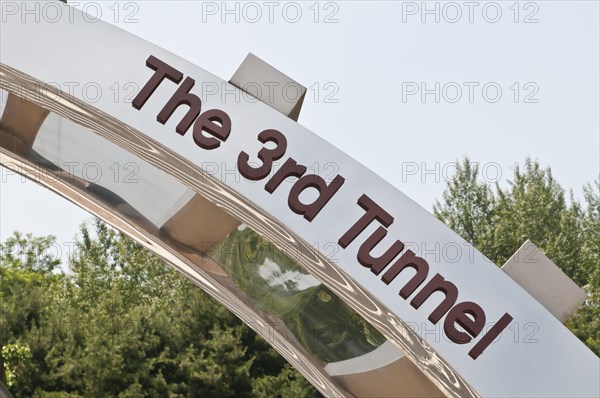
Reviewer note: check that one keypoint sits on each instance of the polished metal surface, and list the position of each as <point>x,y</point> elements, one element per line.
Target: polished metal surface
<point>383,372</point>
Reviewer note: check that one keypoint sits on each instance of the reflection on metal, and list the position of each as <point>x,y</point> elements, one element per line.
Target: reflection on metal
<point>20,123</point>
<point>376,359</point>
<point>110,207</point>
<point>384,372</point>
<point>537,274</point>
<point>199,224</point>
<point>321,323</point>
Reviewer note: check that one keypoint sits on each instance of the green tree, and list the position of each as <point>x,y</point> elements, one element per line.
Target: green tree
<point>26,274</point>
<point>16,357</point>
<point>285,384</point>
<point>498,221</point>
<point>585,323</point>
<point>533,207</point>
<point>467,205</point>
<point>122,323</point>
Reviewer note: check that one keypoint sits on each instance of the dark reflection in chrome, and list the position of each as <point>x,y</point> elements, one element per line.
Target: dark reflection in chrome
<point>323,324</point>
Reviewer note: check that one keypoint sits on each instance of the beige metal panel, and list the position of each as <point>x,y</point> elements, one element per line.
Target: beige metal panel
<point>384,355</point>
<point>541,278</point>
<point>21,121</point>
<point>384,372</point>
<point>398,379</point>
<point>200,224</point>
<point>261,80</point>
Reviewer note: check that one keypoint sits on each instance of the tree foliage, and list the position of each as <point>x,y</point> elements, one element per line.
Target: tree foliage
<point>122,324</point>
<point>498,221</point>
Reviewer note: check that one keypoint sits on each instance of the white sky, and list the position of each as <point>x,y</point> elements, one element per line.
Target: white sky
<point>365,60</point>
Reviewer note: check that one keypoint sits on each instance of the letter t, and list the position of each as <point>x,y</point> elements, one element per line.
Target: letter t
<point>374,212</point>
<point>162,70</point>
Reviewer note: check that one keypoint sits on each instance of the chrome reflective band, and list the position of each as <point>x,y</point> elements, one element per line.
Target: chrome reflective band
<point>557,365</point>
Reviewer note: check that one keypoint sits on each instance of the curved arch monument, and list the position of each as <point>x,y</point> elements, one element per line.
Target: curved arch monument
<point>238,196</point>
